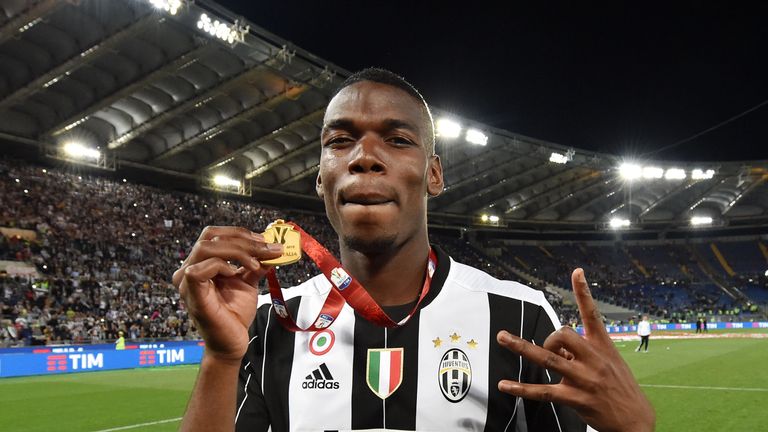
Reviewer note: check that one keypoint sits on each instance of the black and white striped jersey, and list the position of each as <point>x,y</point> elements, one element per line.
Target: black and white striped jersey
<point>438,372</point>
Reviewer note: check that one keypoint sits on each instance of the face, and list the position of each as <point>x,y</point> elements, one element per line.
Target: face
<point>375,170</point>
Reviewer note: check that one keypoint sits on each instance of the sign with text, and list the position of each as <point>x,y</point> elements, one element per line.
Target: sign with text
<point>57,360</point>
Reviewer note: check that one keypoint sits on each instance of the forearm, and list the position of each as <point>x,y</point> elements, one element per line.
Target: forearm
<point>212,404</point>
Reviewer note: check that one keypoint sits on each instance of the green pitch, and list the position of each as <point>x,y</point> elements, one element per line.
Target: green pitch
<point>703,384</point>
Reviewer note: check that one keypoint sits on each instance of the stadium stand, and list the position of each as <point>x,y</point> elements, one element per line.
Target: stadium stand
<point>106,251</point>
<point>663,280</point>
<point>103,252</point>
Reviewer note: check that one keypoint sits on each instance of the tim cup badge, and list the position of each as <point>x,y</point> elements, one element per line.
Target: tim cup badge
<point>280,232</point>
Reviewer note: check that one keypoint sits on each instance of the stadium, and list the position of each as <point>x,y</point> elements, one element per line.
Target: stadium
<point>128,126</point>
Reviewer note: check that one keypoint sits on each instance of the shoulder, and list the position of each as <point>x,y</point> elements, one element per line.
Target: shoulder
<point>475,280</point>
<point>318,286</point>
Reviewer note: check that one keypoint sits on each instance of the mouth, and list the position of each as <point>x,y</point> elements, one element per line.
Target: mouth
<point>365,199</point>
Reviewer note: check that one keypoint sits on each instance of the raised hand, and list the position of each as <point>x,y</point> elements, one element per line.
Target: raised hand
<point>222,298</point>
<point>596,381</point>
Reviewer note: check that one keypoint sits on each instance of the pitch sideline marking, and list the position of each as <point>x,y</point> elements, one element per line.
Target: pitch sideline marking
<point>140,425</point>
<point>752,389</point>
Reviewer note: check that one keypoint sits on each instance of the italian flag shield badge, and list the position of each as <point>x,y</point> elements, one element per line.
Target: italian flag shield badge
<point>384,371</point>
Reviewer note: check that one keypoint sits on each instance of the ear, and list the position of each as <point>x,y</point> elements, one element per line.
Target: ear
<point>319,186</point>
<point>435,176</point>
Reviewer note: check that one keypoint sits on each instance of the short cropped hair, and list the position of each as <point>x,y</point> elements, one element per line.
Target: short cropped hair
<point>383,76</point>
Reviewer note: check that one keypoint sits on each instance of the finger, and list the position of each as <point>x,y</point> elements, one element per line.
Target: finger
<point>542,357</point>
<point>557,393</point>
<point>206,270</point>
<point>252,278</point>
<point>567,339</point>
<point>226,251</point>
<point>590,314</point>
<point>198,277</point>
<point>564,353</point>
<point>247,252</point>
<point>210,232</point>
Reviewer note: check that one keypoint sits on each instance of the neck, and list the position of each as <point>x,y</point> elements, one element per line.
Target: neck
<point>393,277</point>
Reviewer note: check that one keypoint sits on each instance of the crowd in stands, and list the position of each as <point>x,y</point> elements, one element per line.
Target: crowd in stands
<point>105,251</point>
<point>669,286</point>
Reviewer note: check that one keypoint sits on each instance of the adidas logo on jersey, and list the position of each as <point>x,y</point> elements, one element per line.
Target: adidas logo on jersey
<point>320,378</point>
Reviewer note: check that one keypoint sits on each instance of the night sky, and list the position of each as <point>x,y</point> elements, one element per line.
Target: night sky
<point>626,79</point>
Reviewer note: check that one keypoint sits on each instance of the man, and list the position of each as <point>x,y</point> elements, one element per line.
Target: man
<point>120,342</point>
<point>644,331</point>
<point>473,356</point>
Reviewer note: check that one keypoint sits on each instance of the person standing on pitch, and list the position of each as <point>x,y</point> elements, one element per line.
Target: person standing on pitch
<point>458,349</point>
<point>644,331</point>
<point>120,342</point>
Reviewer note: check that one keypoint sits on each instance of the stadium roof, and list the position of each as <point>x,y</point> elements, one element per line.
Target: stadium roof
<point>193,90</point>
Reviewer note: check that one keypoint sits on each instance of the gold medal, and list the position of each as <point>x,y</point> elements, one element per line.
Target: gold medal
<point>280,232</point>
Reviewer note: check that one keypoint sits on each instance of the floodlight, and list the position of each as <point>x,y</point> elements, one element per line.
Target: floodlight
<point>630,171</point>
<point>224,181</point>
<point>474,136</point>
<point>170,6</point>
<point>558,158</point>
<point>226,32</point>
<point>79,151</point>
<point>651,172</point>
<point>674,174</point>
<point>447,128</point>
<point>699,174</point>
<point>701,220</point>
<point>617,223</point>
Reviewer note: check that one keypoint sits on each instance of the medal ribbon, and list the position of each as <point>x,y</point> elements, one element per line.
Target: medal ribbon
<point>344,288</point>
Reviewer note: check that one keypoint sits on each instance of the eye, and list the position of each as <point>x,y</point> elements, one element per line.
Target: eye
<point>338,141</point>
<point>400,141</point>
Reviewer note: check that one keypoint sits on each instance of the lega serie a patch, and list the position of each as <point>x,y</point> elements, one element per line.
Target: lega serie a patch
<point>384,372</point>
<point>340,278</point>
<point>280,309</point>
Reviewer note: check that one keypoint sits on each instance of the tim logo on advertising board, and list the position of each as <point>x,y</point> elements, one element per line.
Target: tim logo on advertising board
<point>58,362</point>
<point>161,356</point>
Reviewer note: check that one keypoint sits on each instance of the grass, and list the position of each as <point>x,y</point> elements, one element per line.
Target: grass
<point>103,400</point>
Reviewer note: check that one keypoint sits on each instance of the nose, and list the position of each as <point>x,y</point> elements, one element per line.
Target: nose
<point>366,157</point>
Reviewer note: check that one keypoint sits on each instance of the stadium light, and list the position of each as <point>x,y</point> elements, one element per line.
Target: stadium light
<point>447,128</point>
<point>558,158</point>
<point>699,174</point>
<point>701,220</point>
<point>630,171</point>
<point>230,33</point>
<point>617,223</point>
<point>675,174</point>
<point>651,172</point>
<point>80,151</point>
<point>224,181</point>
<point>474,136</point>
<point>170,6</point>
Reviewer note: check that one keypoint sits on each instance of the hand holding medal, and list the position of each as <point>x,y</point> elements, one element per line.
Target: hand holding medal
<point>344,288</point>
<point>220,297</point>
